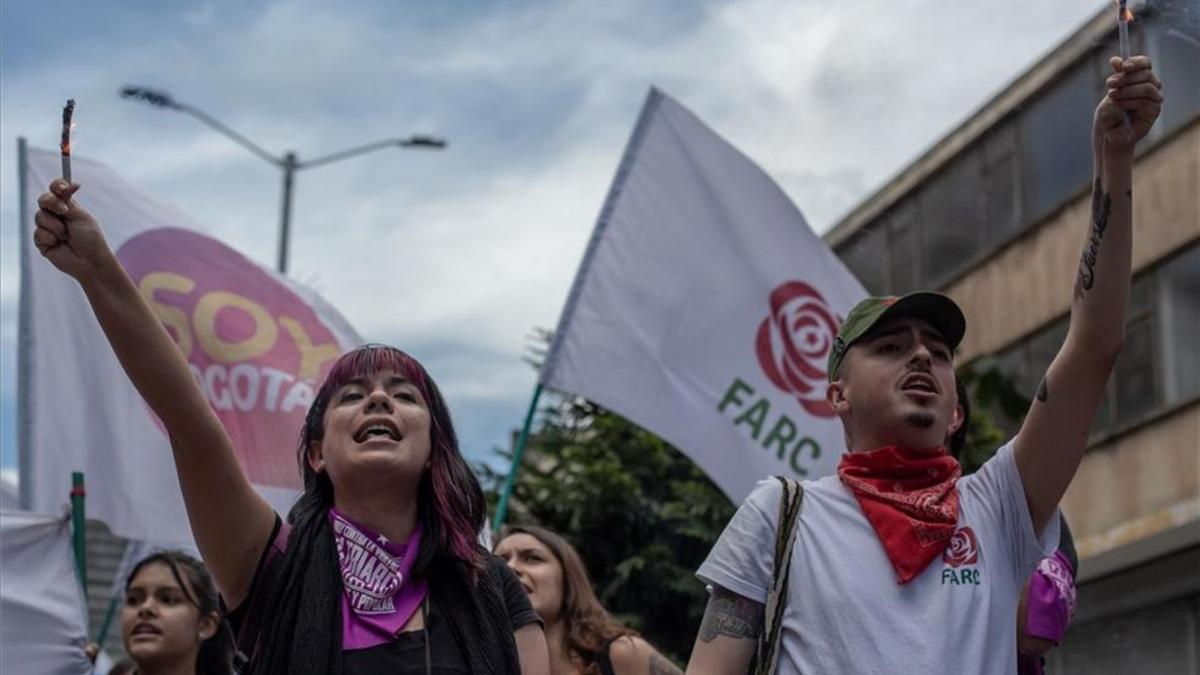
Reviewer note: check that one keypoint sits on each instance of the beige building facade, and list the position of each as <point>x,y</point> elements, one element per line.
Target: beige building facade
<point>995,214</point>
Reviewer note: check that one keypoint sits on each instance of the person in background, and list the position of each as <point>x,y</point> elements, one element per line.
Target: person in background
<point>580,635</point>
<point>170,621</point>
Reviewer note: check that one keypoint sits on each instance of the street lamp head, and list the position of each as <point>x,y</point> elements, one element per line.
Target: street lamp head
<point>423,141</point>
<point>154,97</point>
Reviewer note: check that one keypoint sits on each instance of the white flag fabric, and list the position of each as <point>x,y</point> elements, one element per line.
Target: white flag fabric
<point>43,618</point>
<point>258,343</point>
<point>705,307</point>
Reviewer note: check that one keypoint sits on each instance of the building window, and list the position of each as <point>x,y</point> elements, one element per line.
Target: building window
<point>1001,197</point>
<point>905,249</point>
<point>1175,48</point>
<point>1178,310</point>
<point>1029,164</point>
<point>866,256</point>
<point>1132,386</point>
<point>951,210</point>
<point>1159,365</point>
<point>1056,146</point>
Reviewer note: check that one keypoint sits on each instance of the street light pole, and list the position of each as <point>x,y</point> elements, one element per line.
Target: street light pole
<point>285,217</point>
<point>289,162</point>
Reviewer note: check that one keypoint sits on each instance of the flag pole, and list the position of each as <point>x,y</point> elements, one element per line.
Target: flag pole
<point>24,307</point>
<point>109,615</point>
<point>518,451</point>
<point>79,526</point>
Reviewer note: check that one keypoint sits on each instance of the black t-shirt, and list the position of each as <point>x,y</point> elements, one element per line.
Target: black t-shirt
<point>406,653</point>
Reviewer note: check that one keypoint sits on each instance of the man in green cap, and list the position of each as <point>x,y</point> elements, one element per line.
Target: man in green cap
<point>900,564</point>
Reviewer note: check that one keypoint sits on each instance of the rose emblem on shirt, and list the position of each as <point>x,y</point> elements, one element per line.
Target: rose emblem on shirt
<point>793,344</point>
<point>963,548</point>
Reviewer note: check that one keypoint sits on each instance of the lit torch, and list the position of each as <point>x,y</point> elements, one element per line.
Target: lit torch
<point>65,145</point>
<point>1124,16</point>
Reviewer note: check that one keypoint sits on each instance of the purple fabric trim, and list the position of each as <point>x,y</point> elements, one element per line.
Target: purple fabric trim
<point>379,596</point>
<point>1051,600</point>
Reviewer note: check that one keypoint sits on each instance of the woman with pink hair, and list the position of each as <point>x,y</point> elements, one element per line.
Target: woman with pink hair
<point>377,568</point>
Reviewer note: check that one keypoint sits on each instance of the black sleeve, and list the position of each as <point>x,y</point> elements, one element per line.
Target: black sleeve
<point>1066,544</point>
<point>239,615</point>
<point>520,612</point>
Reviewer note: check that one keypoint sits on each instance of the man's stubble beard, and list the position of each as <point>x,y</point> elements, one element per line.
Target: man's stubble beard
<point>922,419</point>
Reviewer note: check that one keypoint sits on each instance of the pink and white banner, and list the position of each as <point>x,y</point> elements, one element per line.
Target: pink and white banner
<point>257,342</point>
<point>705,307</point>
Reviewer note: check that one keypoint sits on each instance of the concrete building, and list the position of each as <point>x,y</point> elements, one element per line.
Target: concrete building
<point>995,215</point>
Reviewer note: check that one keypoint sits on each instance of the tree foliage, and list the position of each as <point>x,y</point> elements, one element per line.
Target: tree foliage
<point>994,399</point>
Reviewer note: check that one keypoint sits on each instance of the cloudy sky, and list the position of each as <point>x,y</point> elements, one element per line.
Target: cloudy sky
<point>456,256</point>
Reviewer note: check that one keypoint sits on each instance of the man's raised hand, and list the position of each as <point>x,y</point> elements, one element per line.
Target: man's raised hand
<point>1131,104</point>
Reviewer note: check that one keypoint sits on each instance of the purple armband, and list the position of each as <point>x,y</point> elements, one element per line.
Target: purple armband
<point>1051,600</point>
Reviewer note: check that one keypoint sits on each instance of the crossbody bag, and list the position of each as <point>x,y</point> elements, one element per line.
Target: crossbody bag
<point>766,655</point>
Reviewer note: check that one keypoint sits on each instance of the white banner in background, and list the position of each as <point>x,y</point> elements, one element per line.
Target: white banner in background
<point>43,624</point>
<point>258,343</point>
<point>705,307</point>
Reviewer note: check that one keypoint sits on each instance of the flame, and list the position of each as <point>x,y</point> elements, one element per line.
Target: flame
<point>67,126</point>
<point>1124,13</point>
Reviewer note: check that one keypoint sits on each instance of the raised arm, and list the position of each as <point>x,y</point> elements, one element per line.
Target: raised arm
<point>230,521</point>
<point>728,634</point>
<point>1052,440</point>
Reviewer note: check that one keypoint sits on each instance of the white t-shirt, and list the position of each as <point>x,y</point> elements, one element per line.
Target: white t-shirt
<point>845,611</point>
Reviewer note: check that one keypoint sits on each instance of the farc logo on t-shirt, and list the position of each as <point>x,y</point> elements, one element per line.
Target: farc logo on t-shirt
<point>961,552</point>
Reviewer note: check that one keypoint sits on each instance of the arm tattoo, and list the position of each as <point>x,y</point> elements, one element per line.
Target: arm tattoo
<point>1101,208</point>
<point>659,665</point>
<point>731,615</point>
<point>1043,393</point>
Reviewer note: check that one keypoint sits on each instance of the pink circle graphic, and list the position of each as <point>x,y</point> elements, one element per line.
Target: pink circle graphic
<point>257,349</point>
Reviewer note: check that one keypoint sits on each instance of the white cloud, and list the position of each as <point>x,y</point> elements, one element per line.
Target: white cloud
<point>471,247</point>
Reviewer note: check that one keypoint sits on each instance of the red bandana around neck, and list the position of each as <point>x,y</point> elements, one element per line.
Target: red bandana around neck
<point>910,497</point>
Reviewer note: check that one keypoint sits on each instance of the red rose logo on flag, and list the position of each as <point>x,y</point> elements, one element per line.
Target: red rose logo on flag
<point>962,549</point>
<point>793,344</point>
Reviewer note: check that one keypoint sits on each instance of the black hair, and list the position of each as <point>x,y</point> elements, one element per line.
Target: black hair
<point>216,653</point>
<point>958,440</point>
<point>300,608</point>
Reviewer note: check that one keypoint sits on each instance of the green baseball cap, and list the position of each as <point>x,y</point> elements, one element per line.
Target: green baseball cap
<point>939,310</point>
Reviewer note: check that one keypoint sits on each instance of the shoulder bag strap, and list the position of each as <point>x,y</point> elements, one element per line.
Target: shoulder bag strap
<point>785,538</point>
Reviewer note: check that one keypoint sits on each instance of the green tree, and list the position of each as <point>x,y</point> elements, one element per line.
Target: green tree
<point>995,399</point>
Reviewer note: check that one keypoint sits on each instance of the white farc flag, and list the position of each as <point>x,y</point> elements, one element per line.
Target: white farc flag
<point>43,619</point>
<point>258,343</point>
<point>705,307</point>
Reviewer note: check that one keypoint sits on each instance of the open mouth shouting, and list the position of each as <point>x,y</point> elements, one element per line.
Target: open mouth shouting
<point>919,385</point>
<point>378,428</point>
